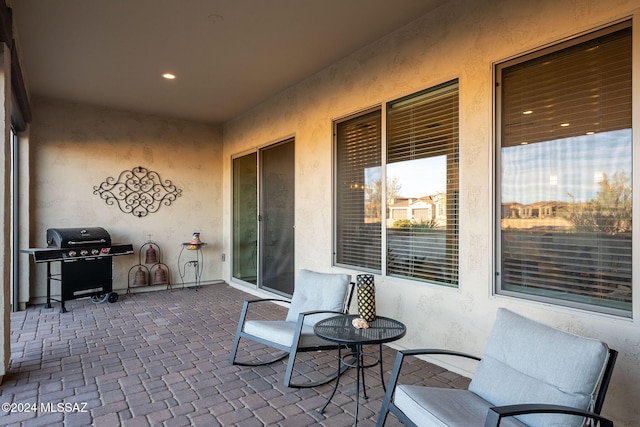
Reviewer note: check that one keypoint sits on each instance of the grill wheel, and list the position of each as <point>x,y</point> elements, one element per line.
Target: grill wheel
<point>111,297</point>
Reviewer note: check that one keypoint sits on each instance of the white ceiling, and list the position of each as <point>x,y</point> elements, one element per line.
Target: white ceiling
<point>228,55</point>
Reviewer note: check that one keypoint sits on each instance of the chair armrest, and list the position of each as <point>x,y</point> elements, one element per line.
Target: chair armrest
<point>423,351</point>
<point>496,413</point>
<point>397,366</point>
<point>245,309</point>
<point>302,315</point>
<point>308,313</point>
<point>251,301</point>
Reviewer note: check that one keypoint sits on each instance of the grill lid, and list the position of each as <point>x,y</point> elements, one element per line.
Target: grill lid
<point>74,237</point>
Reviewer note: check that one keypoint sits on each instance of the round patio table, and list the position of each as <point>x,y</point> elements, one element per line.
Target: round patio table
<point>340,330</point>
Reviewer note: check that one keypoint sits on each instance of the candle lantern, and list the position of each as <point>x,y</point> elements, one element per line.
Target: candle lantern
<point>366,297</point>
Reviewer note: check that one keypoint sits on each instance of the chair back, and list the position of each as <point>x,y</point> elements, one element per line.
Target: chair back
<point>528,362</point>
<point>318,291</point>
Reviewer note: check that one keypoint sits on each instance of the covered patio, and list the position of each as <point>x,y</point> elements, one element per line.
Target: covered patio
<point>272,178</point>
<point>162,358</point>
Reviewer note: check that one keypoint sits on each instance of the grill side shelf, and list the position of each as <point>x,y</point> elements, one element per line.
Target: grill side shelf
<point>62,254</point>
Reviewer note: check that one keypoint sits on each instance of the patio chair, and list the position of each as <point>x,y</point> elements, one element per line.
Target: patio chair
<point>316,296</point>
<point>530,375</point>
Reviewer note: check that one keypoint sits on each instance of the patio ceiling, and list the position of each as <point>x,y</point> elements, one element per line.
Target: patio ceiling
<point>228,55</point>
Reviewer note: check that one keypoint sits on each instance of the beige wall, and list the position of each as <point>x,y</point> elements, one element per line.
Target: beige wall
<point>460,40</point>
<point>76,147</point>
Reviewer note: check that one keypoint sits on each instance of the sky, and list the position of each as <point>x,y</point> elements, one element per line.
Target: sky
<point>420,177</point>
<point>556,170</point>
<point>567,169</point>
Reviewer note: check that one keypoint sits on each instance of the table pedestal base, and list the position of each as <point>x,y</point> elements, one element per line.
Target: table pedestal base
<point>357,357</point>
<point>340,329</point>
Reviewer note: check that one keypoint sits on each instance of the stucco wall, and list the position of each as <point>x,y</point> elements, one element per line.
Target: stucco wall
<point>462,39</point>
<point>76,147</point>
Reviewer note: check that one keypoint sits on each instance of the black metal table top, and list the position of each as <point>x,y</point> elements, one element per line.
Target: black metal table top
<point>339,329</point>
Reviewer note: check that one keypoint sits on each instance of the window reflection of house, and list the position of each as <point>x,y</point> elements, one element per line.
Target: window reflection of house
<point>539,214</point>
<point>419,210</point>
<point>533,210</point>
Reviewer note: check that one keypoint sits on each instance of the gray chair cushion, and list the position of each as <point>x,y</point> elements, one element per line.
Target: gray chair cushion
<point>318,291</point>
<point>282,332</point>
<point>528,362</point>
<point>443,407</point>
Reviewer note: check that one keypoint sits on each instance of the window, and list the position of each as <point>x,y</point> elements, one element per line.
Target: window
<point>422,179</point>
<point>564,173</point>
<point>359,192</point>
<point>413,201</point>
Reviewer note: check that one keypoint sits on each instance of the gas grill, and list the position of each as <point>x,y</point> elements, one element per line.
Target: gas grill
<point>85,260</point>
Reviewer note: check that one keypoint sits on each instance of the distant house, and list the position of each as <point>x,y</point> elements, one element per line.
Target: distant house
<point>539,214</point>
<point>418,210</point>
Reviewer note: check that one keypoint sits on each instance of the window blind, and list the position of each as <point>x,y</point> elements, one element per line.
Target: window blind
<point>581,89</point>
<point>565,159</point>
<point>358,198</point>
<point>423,126</point>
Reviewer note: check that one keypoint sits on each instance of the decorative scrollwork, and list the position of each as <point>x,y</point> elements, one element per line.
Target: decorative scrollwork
<point>138,191</point>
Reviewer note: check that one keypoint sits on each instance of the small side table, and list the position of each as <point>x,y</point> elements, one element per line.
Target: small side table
<point>340,330</point>
<point>196,262</point>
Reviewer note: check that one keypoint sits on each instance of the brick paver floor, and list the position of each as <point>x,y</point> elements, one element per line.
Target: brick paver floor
<point>161,359</point>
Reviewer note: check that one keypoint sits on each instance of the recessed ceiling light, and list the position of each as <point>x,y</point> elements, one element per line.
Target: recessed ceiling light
<point>564,125</point>
<point>215,18</point>
<point>527,112</point>
<point>169,76</point>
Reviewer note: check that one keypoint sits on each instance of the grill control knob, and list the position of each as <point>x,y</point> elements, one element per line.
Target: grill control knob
<point>84,252</point>
<point>95,251</point>
<point>72,253</point>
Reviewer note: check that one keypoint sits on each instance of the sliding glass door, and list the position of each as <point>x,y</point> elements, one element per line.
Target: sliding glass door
<point>276,218</point>
<point>245,212</point>
<point>263,218</point>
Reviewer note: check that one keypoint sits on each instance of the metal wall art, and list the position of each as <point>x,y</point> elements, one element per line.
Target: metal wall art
<point>138,191</point>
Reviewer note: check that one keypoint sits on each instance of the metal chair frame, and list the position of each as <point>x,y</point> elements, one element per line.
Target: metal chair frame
<point>290,351</point>
<point>497,413</point>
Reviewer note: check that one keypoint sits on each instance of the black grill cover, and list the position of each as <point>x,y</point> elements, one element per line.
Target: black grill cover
<point>74,237</point>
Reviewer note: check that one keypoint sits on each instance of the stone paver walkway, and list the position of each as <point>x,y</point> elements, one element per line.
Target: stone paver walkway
<point>161,359</point>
